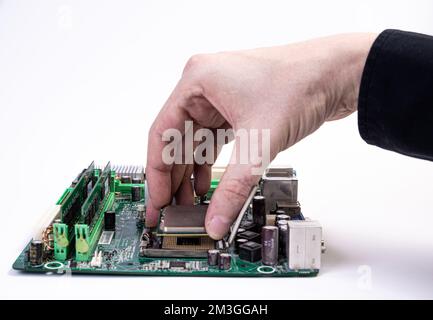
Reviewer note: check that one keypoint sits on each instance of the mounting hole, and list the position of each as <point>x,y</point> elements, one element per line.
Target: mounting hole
<point>266,269</point>
<point>54,265</point>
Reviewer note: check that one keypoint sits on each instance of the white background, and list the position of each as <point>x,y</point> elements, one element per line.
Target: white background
<point>83,80</point>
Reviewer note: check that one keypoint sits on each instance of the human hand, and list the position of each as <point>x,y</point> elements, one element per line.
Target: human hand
<point>290,90</point>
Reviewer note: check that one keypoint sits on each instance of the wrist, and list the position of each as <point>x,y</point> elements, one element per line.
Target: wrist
<point>342,81</point>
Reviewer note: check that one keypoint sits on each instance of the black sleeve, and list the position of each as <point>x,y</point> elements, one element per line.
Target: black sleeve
<point>395,107</point>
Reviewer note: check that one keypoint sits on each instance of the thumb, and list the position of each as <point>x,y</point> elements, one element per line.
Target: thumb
<point>228,198</point>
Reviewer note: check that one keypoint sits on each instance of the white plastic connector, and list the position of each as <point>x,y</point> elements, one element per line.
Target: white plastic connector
<point>96,261</point>
<point>50,214</point>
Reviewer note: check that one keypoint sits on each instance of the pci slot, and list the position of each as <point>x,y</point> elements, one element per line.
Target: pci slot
<point>89,228</point>
<point>71,202</point>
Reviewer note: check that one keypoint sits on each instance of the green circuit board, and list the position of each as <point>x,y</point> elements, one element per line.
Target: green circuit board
<point>85,245</point>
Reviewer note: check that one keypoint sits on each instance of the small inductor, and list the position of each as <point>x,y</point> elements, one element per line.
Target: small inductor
<point>239,242</point>
<point>270,245</point>
<point>36,252</point>
<point>225,261</point>
<point>283,237</point>
<point>213,257</point>
<point>259,212</point>
<point>135,193</point>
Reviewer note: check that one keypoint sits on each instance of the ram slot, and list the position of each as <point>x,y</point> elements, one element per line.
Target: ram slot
<point>70,208</point>
<point>89,229</point>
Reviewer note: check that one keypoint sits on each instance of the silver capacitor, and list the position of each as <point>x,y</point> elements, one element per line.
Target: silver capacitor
<point>213,257</point>
<point>270,245</point>
<point>225,261</point>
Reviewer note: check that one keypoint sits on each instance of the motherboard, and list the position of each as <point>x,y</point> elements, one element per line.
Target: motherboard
<point>98,226</point>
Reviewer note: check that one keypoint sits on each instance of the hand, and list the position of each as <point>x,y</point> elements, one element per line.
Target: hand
<point>291,90</point>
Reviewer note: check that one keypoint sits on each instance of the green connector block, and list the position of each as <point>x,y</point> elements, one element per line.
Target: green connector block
<point>82,242</point>
<point>61,241</point>
<point>125,188</point>
<point>86,239</point>
<point>213,185</point>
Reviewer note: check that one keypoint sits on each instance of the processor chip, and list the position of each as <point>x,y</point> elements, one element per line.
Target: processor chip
<point>184,219</point>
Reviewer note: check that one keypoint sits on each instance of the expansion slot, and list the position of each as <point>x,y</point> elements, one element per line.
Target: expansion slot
<point>89,229</point>
<point>71,202</point>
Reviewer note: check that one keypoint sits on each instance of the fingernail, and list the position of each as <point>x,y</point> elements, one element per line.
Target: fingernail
<point>217,227</point>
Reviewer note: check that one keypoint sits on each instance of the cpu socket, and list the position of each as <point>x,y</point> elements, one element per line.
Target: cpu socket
<point>182,228</point>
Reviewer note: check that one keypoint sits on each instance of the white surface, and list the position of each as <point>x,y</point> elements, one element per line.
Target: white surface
<point>71,70</point>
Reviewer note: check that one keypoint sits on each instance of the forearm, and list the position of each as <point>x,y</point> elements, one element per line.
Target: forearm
<point>395,109</point>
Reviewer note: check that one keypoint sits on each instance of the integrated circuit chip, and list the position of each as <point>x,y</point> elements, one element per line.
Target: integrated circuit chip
<point>184,219</point>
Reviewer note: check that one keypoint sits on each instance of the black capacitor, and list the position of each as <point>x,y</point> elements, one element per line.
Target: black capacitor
<point>281,216</point>
<point>250,251</point>
<point>110,220</point>
<point>270,245</point>
<point>239,242</point>
<point>135,193</point>
<point>283,237</point>
<point>213,257</point>
<point>279,211</point>
<point>36,252</point>
<point>259,211</point>
<point>136,180</point>
<point>225,261</point>
<point>125,179</point>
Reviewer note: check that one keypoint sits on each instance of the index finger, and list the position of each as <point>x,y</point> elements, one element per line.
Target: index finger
<point>158,173</point>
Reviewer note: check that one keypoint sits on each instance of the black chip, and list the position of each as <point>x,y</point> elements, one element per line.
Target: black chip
<point>177,264</point>
<point>250,251</point>
<point>250,236</point>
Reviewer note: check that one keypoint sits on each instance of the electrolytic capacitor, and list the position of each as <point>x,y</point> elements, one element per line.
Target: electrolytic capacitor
<point>110,220</point>
<point>36,252</point>
<point>259,211</point>
<point>225,260</point>
<point>135,193</point>
<point>136,180</point>
<point>213,257</point>
<point>270,245</point>
<point>141,212</point>
<point>283,237</point>
<point>281,216</point>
